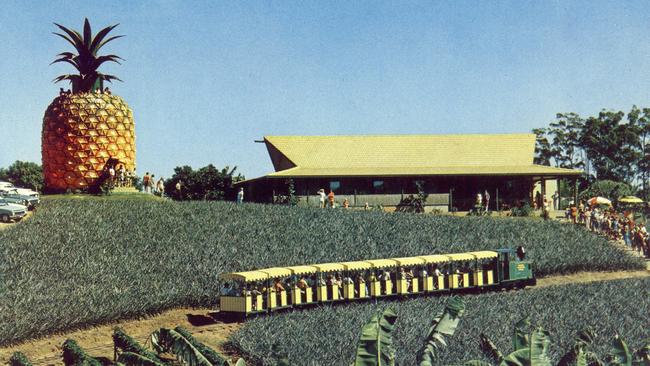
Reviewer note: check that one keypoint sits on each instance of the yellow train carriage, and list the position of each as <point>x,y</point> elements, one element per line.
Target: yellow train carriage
<point>271,289</point>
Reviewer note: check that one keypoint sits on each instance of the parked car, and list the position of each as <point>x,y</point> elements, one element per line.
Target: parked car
<point>11,211</point>
<point>12,196</point>
<point>8,186</point>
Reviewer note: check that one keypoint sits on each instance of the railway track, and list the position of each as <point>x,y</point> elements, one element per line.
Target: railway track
<point>97,341</point>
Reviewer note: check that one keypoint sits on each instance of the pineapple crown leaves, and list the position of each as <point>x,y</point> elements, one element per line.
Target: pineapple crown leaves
<point>86,60</point>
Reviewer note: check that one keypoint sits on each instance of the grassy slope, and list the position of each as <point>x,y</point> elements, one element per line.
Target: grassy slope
<point>328,335</point>
<point>86,261</point>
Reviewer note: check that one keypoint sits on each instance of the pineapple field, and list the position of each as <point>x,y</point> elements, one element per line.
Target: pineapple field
<point>328,335</point>
<point>85,261</point>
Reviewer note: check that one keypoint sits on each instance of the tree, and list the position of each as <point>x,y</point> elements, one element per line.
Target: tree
<point>639,120</point>
<point>24,174</point>
<point>611,145</point>
<point>207,183</point>
<point>543,153</point>
<point>566,148</point>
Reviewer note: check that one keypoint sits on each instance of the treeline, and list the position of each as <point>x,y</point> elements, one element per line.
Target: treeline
<point>24,174</point>
<point>612,146</point>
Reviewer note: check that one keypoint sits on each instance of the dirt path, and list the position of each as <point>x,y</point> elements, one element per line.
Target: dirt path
<point>98,342</point>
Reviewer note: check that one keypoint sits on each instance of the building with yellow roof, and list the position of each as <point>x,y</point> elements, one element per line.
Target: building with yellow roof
<point>383,169</point>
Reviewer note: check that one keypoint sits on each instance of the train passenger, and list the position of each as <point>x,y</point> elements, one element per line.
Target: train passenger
<point>372,277</point>
<point>423,272</point>
<point>437,272</point>
<point>277,286</point>
<point>302,284</point>
<point>362,282</point>
<point>339,284</point>
<point>226,290</point>
<point>460,277</point>
<point>347,280</point>
<point>521,253</point>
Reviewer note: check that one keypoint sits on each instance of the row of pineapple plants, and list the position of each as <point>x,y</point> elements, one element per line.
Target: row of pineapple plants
<point>375,347</point>
<point>92,261</point>
<point>322,335</point>
<point>177,343</point>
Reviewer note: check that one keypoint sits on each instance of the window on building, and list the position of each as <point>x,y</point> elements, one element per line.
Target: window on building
<point>335,185</point>
<point>378,186</point>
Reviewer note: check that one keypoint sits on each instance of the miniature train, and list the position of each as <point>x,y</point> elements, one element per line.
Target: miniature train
<point>272,289</point>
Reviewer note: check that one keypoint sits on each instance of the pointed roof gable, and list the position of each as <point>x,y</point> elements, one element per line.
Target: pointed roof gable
<point>359,155</point>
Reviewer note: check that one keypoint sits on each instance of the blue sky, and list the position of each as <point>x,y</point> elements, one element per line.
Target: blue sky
<point>205,79</point>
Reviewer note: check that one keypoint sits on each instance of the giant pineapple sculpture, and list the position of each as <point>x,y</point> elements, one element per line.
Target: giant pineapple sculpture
<point>88,129</point>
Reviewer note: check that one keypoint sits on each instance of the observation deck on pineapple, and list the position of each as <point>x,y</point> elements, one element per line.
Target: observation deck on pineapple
<point>88,129</point>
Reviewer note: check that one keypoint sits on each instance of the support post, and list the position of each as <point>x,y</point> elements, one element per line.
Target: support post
<point>542,188</point>
<point>497,201</point>
<point>575,191</point>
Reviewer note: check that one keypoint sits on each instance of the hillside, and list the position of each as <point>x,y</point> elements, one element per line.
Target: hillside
<point>78,262</point>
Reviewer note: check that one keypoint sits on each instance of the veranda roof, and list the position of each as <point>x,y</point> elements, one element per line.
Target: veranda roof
<point>399,155</point>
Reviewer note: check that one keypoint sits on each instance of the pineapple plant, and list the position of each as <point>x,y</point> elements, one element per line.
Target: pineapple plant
<point>89,129</point>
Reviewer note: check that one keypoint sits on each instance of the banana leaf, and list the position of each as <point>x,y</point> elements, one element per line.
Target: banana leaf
<point>19,359</point>
<point>517,358</point>
<point>476,363</point>
<point>171,341</point>
<point>445,323</point>
<point>376,344</point>
<point>620,353</point>
<point>539,343</point>
<point>134,359</point>
<point>520,338</point>
<point>490,349</point>
<point>206,351</point>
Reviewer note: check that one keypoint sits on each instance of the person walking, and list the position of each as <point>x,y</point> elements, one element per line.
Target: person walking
<point>240,196</point>
<point>321,198</point>
<point>160,187</point>
<point>179,187</point>
<point>145,182</point>
<point>111,177</point>
<point>152,184</point>
<point>486,197</point>
<point>330,198</point>
<point>556,201</point>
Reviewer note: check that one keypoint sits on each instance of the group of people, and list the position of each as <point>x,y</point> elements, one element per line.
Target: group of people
<point>336,281</point>
<point>120,177</point>
<point>612,224</point>
<point>327,200</point>
<point>68,93</point>
<point>152,186</point>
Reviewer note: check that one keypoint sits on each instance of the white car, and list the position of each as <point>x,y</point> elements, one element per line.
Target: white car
<point>7,187</point>
<point>11,211</point>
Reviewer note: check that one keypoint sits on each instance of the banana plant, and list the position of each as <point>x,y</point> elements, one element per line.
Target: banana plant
<point>376,348</point>
<point>580,354</point>
<point>445,323</point>
<point>621,355</point>
<point>187,352</point>
<point>123,343</point>
<point>530,348</point>
<point>19,359</point>
<point>135,359</point>
<point>73,355</point>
